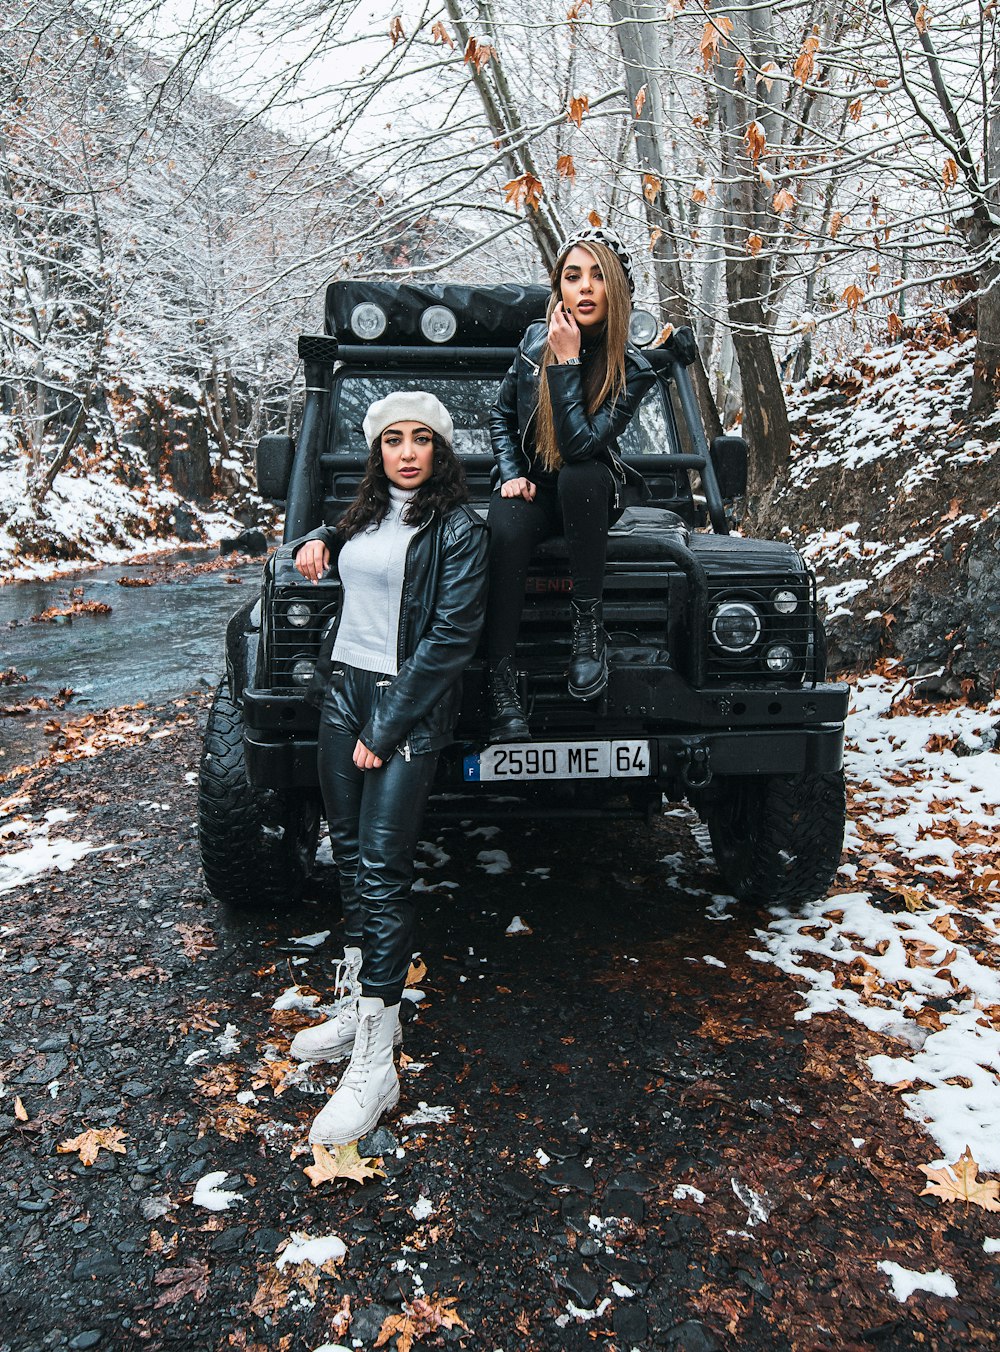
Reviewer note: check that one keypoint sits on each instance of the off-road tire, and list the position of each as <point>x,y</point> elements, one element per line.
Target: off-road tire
<point>778,838</point>
<point>257,846</point>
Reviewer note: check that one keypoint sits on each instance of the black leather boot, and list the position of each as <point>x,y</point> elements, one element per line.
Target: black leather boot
<point>588,663</point>
<point>507,721</point>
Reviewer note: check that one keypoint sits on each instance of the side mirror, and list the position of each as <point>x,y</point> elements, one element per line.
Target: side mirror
<point>729,460</point>
<point>274,466</point>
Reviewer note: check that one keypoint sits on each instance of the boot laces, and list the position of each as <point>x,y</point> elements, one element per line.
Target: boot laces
<point>585,632</point>
<point>504,689</point>
<point>359,1066</point>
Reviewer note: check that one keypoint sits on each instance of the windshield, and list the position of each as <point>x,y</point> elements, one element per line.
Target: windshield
<point>468,398</point>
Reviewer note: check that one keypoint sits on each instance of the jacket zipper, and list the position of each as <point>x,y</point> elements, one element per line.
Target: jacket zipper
<point>402,612</point>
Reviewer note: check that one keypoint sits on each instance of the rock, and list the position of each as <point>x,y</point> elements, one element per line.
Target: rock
<point>581,1285</point>
<point>49,1069</point>
<point>632,1180</point>
<point>516,1185</point>
<point>618,1202</point>
<point>692,1336</point>
<point>266,1240</point>
<point>630,1324</point>
<point>367,1323</point>
<point>378,1142</point>
<point>96,1265</point>
<point>89,1338</point>
<point>250,541</point>
<point>569,1174</point>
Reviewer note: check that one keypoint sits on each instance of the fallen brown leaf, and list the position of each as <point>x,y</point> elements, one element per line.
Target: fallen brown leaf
<point>189,1280</point>
<point>419,1319</point>
<point>958,1183</point>
<point>89,1143</point>
<point>343,1162</point>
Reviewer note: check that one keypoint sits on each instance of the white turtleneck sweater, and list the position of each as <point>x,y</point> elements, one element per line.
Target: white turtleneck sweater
<point>371,571</point>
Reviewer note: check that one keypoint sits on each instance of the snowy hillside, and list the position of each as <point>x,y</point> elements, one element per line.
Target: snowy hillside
<point>892,497</point>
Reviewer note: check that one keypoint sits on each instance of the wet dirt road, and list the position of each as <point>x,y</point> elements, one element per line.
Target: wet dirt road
<point>634,1147</point>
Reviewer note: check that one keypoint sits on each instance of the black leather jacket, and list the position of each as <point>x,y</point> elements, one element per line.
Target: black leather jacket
<point>440,619</point>
<point>579,435</point>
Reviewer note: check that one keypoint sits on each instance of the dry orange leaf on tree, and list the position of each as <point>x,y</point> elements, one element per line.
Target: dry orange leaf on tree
<point>755,141</point>
<point>440,34</point>
<point>958,1183</point>
<point>578,105</point>
<point>565,167</point>
<point>524,191</point>
<point>852,296</point>
<point>754,245</point>
<point>714,32</point>
<point>782,200</point>
<point>594,220</point>
<point>650,187</point>
<point>478,53</point>
<point>396,30</point>
<point>949,173</point>
<point>419,1319</point>
<point>89,1143</point>
<point>806,60</point>
<point>342,1162</point>
<point>640,102</point>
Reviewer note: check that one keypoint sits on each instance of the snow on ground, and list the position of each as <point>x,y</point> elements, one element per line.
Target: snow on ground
<point>39,851</point>
<point>101,519</point>
<point>909,945</point>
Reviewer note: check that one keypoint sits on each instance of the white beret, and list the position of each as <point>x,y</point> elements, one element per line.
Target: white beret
<point>408,406</point>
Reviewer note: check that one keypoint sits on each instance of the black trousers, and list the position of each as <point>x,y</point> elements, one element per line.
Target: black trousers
<point>579,506</point>
<point>374,818</point>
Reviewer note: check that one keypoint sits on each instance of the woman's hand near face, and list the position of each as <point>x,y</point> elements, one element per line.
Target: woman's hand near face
<point>312,560</point>
<point>564,334</point>
<point>365,759</point>
<point>518,488</point>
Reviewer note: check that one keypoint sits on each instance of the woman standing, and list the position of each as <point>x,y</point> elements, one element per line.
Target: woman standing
<point>411,557</point>
<point>574,387</point>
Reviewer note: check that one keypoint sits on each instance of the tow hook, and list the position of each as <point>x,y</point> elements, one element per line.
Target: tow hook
<point>696,769</point>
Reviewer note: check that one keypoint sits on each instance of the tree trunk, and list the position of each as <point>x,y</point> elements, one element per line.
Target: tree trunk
<point>765,418</point>
<point>636,41</point>
<point>986,370</point>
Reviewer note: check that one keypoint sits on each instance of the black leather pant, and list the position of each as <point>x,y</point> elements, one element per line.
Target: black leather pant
<point>374,818</point>
<point>579,506</point>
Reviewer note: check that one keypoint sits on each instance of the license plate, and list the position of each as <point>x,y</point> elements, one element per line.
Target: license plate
<point>558,760</point>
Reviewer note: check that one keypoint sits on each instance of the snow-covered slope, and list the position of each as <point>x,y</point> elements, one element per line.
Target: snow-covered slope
<point>892,496</point>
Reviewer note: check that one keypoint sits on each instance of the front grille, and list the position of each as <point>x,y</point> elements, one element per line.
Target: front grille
<point>795,631</point>
<point>289,643</point>
<point>637,614</point>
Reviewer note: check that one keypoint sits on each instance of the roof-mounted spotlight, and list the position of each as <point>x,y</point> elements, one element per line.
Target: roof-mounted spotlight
<point>438,324</point>
<point>368,321</point>
<point>643,328</point>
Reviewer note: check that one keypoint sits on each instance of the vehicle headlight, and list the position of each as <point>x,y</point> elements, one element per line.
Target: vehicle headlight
<point>736,626</point>
<point>642,327</point>
<point>298,613</point>
<point>779,657</point>
<point>785,602</point>
<point>368,320</point>
<point>438,324</point>
<point>302,670</point>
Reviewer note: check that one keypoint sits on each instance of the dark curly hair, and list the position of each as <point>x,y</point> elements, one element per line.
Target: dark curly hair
<point>445,489</point>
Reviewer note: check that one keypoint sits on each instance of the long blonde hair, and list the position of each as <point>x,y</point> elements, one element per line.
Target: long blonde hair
<point>604,369</point>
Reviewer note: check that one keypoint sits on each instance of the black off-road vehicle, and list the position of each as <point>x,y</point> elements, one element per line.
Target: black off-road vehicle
<point>717,689</point>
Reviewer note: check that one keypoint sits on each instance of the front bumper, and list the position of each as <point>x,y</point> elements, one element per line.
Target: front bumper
<point>694,735</point>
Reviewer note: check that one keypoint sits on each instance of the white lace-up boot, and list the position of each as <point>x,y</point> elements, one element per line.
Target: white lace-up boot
<point>370,1084</point>
<point>334,1039</point>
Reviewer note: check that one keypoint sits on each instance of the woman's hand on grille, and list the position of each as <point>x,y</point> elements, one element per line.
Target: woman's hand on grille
<point>312,560</point>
